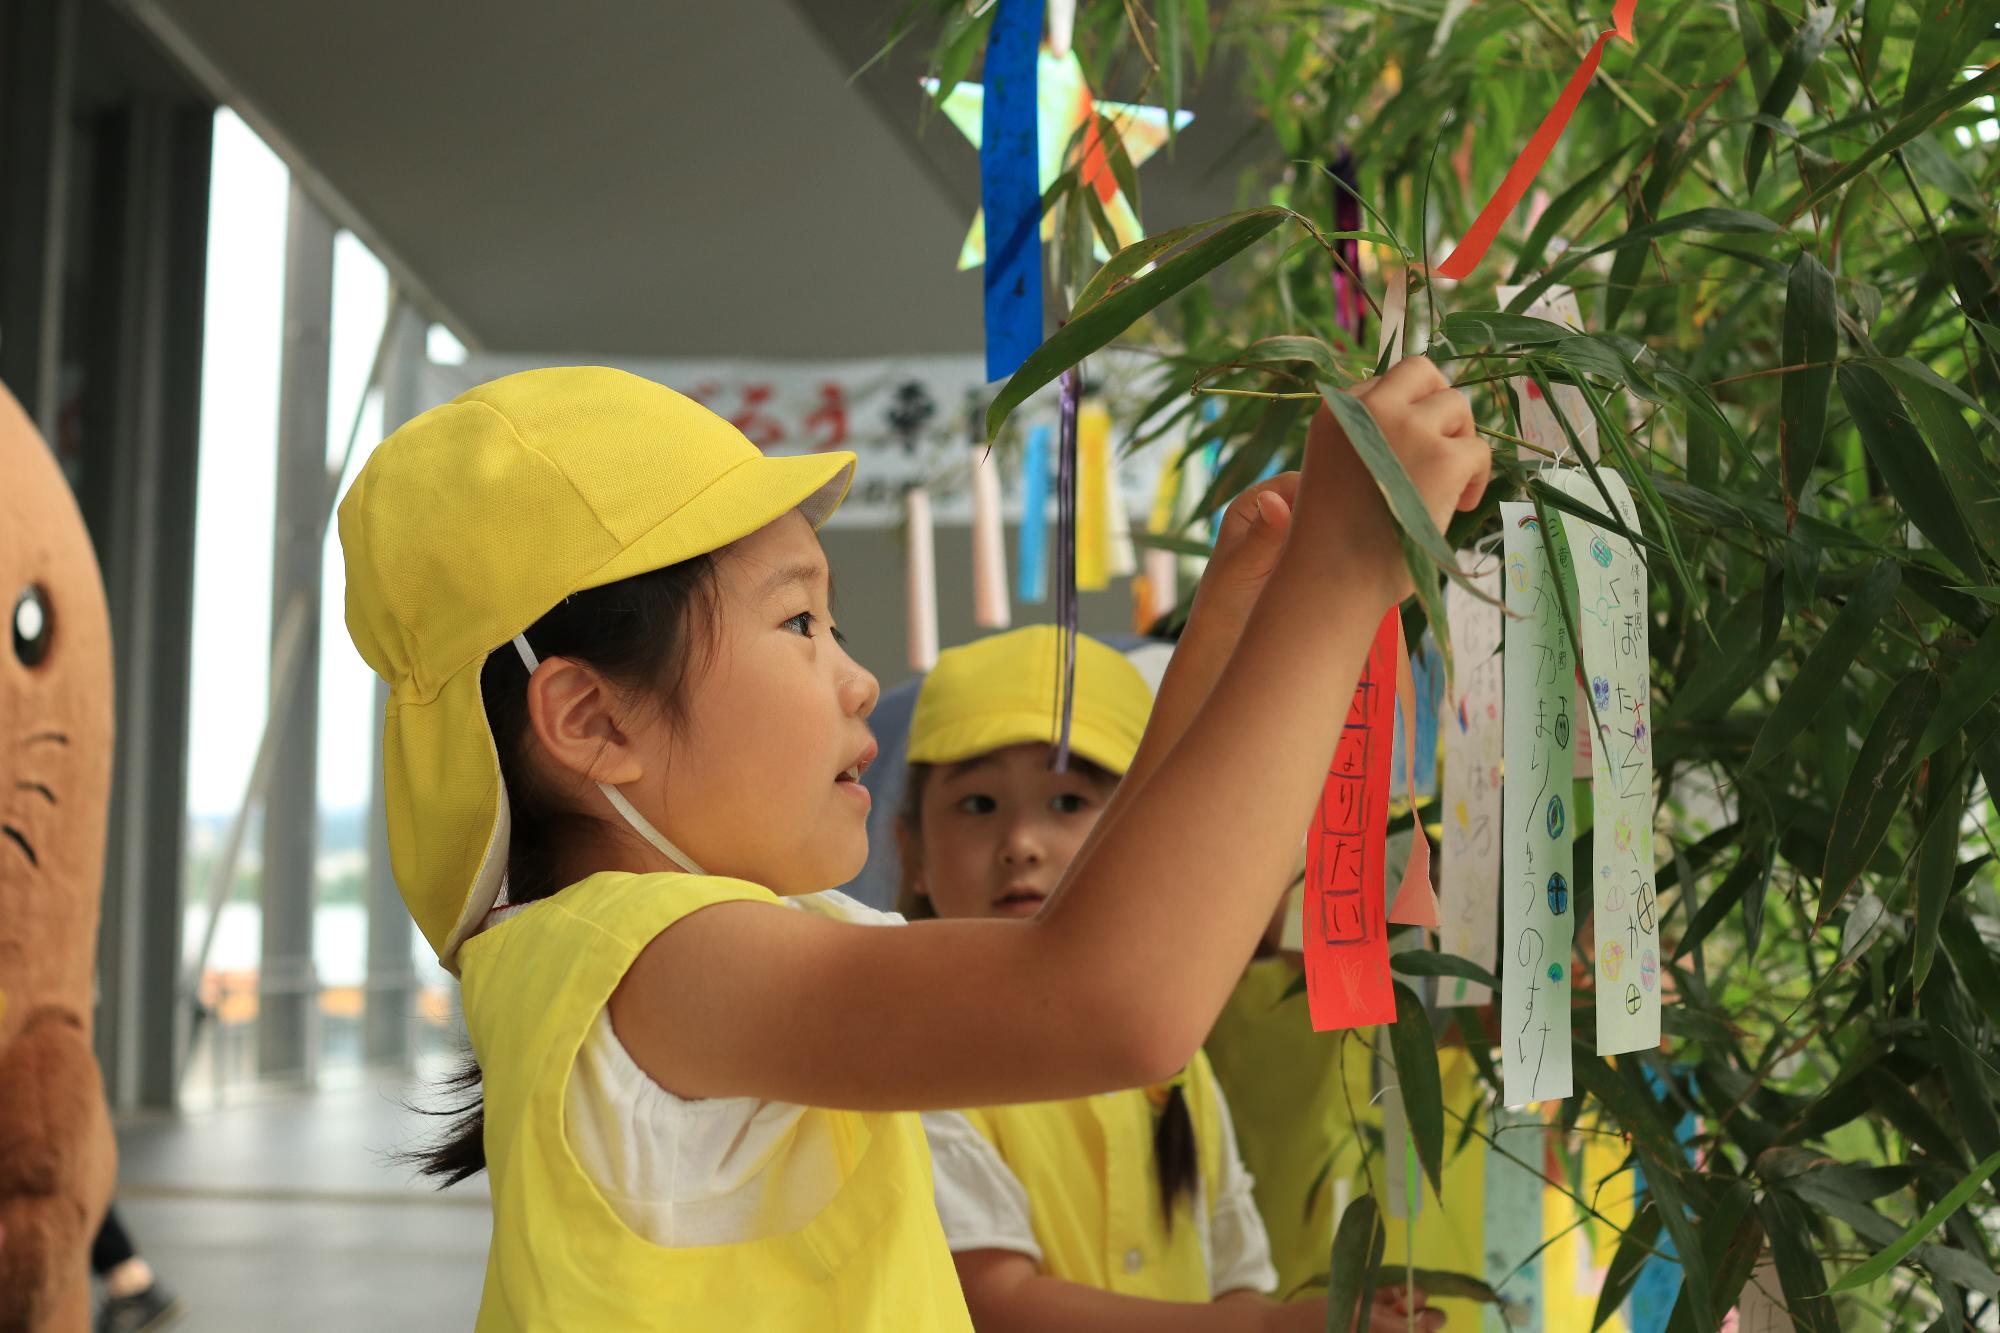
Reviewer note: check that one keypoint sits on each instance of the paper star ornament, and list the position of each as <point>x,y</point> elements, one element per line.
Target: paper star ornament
<point>1065,105</point>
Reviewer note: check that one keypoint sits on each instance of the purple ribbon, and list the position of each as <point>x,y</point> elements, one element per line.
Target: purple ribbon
<point>1066,610</point>
<point>1347,217</point>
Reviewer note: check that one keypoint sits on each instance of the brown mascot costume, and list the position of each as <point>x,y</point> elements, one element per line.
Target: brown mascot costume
<point>56,1152</point>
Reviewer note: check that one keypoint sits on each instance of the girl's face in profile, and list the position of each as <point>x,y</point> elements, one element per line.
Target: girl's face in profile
<point>760,780</point>
<point>997,832</point>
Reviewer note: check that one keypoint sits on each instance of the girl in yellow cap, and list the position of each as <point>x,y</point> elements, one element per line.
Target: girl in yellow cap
<point>1124,1210</point>
<point>620,765</point>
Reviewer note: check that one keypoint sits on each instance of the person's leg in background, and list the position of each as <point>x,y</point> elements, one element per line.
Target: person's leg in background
<point>134,1300</point>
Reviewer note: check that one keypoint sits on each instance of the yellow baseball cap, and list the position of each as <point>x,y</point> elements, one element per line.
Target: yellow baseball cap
<point>1004,690</point>
<point>474,520</point>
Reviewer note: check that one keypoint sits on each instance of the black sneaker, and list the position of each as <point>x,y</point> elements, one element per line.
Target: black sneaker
<point>153,1308</point>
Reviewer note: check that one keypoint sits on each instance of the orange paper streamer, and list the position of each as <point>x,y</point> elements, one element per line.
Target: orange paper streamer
<point>1522,174</point>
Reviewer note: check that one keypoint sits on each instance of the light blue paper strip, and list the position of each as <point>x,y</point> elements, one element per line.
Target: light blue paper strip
<point>1032,578</point>
<point>1659,1283</point>
<point>1513,1220</point>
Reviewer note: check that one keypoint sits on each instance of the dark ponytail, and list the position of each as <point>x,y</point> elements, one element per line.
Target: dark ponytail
<point>646,632</point>
<point>1174,1154</point>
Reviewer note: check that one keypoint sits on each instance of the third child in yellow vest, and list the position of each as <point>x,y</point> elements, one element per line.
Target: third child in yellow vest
<point>1125,1210</point>
<point>620,765</point>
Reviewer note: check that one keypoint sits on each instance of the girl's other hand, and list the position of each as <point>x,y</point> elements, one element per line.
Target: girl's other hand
<point>1247,543</point>
<point>1390,1312</point>
<point>1428,425</point>
<point>1386,1313</point>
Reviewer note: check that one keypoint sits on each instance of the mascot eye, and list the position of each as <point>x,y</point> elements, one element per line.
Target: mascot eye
<point>33,626</point>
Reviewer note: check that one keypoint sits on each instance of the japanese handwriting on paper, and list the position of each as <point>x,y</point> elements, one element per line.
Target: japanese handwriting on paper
<point>1469,872</point>
<point>1537,925</point>
<point>1346,936</point>
<point>1614,662</point>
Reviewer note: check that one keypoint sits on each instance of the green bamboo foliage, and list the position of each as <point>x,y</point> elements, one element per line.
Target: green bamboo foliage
<point>1780,221</point>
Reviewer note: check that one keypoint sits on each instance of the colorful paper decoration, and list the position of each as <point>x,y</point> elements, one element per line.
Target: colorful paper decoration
<point>1472,249</point>
<point>1062,23</point>
<point>1513,1216</point>
<point>1032,576</point>
<point>1658,1285</point>
<point>1010,194</point>
<point>1096,493</point>
<point>989,543</point>
<point>1415,903</point>
<point>920,579</point>
<point>1469,876</point>
<point>1537,824</point>
<point>1066,107</point>
<point>1427,679</point>
<point>1612,625</point>
<point>1539,426</point>
<point>1346,936</point>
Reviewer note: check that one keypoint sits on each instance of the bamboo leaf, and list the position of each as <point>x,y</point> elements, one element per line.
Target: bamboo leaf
<point>1357,1251</point>
<point>1937,859</point>
<point>1972,1101</point>
<point>1634,1251</point>
<point>1803,1280</point>
<point>1497,328</point>
<point>1426,963</point>
<point>1877,786</point>
<point>1724,220</point>
<point>1456,1286</point>
<point>1828,662</point>
<point>1907,465</point>
<point>1117,309</point>
<point>1811,338</point>
<point>1904,130</point>
<point>1924,1226</point>
<point>1802,52</point>
<point>1415,1050</point>
<point>1974,681</point>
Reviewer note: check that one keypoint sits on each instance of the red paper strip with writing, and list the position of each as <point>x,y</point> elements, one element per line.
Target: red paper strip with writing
<point>1346,937</point>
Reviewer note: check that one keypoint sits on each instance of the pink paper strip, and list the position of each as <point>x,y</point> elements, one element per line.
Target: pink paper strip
<point>920,579</point>
<point>989,543</point>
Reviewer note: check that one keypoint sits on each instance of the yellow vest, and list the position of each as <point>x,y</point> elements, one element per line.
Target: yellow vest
<point>1290,1111</point>
<point>1094,1191</point>
<point>874,1258</point>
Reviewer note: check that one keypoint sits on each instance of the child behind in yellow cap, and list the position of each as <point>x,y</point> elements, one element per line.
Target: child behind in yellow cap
<point>1114,1211</point>
<point>620,766</point>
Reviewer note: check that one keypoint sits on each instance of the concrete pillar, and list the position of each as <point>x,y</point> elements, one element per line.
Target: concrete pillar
<point>291,810</point>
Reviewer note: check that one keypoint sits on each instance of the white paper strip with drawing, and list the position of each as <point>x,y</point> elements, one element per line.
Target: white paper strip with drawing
<point>1536,834</point>
<point>1469,875</point>
<point>1611,625</point>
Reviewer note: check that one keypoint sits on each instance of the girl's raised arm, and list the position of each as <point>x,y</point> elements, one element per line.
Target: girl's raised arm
<point>1118,981</point>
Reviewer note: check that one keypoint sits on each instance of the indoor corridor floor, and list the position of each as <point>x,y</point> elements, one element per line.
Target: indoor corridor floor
<point>284,1215</point>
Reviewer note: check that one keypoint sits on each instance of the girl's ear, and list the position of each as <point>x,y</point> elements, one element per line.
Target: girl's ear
<point>572,710</point>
